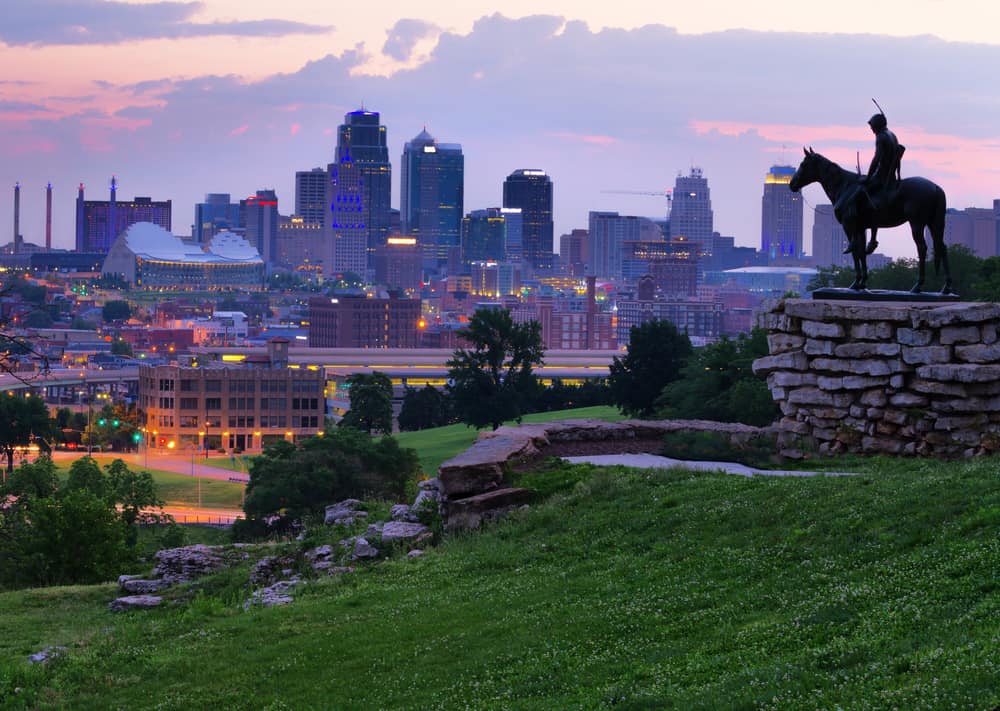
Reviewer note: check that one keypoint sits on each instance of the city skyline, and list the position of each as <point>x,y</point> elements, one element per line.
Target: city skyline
<point>514,91</point>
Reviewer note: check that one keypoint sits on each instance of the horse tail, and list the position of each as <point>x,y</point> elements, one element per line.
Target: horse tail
<point>937,228</point>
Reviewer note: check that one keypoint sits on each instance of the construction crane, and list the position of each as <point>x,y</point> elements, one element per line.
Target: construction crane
<point>668,194</point>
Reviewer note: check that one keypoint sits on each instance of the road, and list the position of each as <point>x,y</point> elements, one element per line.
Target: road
<point>177,463</point>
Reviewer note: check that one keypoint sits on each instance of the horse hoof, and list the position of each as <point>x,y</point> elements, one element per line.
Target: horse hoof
<point>872,246</point>
<point>917,289</point>
<point>857,286</point>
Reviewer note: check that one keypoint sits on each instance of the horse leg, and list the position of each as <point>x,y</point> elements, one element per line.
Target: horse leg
<point>856,239</point>
<point>941,256</point>
<point>873,243</point>
<point>918,239</point>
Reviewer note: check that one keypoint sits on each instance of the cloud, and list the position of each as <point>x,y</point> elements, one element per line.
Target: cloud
<point>585,138</point>
<point>21,107</point>
<point>77,22</point>
<point>404,36</point>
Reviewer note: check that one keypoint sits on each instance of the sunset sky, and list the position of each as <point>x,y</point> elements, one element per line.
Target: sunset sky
<point>183,98</point>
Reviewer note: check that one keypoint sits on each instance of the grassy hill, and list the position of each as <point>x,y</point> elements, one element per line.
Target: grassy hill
<point>622,589</point>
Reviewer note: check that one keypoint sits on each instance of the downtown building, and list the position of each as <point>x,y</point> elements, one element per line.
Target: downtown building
<point>691,213</point>
<point>259,218</point>
<point>217,214</point>
<point>432,197</point>
<point>828,239</point>
<point>531,191</point>
<point>364,322</point>
<point>99,222</point>
<point>781,217</point>
<point>359,193</point>
<point>231,406</point>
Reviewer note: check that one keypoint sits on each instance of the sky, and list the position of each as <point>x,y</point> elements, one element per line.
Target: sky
<point>178,98</point>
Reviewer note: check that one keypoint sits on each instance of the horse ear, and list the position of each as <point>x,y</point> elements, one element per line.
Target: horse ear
<point>805,151</point>
<point>811,151</point>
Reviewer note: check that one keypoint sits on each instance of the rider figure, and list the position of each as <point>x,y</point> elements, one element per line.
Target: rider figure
<point>883,173</point>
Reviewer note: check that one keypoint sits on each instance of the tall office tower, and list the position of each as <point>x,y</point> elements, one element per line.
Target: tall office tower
<point>513,219</point>
<point>607,233</point>
<point>483,236</point>
<point>531,190</point>
<point>310,195</point>
<point>574,252</point>
<point>432,196</point>
<point>99,222</point>
<point>781,216</point>
<point>17,218</point>
<point>216,214</point>
<point>48,216</point>
<point>359,191</point>
<point>259,215</point>
<point>691,212</point>
<point>829,239</point>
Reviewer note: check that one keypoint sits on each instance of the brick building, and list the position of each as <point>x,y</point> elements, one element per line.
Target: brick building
<point>361,322</point>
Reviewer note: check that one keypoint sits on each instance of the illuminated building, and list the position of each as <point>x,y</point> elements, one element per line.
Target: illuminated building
<point>484,236</point>
<point>691,211</point>
<point>302,246</point>
<point>310,195</point>
<point>216,214</point>
<point>99,222</point>
<point>231,406</point>
<point>531,191</point>
<point>399,264</point>
<point>259,217</point>
<point>150,258</point>
<point>432,196</point>
<point>781,216</point>
<point>574,252</point>
<point>360,180</point>
<point>360,322</point>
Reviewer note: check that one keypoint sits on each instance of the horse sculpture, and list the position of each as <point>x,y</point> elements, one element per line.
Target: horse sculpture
<point>916,201</point>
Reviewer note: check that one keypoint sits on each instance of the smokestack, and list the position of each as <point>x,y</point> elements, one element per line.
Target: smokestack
<point>591,312</point>
<point>17,218</point>
<point>48,217</point>
<point>112,230</point>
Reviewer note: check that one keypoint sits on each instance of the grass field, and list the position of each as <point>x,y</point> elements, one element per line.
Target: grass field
<point>181,489</point>
<point>624,589</point>
<point>442,443</point>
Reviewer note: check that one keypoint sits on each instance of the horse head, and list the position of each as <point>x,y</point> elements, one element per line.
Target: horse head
<point>808,171</point>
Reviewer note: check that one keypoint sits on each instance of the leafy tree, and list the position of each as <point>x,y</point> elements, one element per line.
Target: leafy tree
<point>116,311</point>
<point>37,318</point>
<point>22,419</point>
<point>424,408</point>
<point>85,474</point>
<point>656,353</point>
<point>494,381</point>
<point>371,403</point>
<point>133,494</point>
<point>37,479</point>
<point>290,481</point>
<point>718,383</point>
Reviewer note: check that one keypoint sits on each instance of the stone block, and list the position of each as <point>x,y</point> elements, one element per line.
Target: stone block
<point>810,396</point>
<point>394,531</point>
<point>824,434</point>
<point>852,366</point>
<point>793,426</point>
<point>969,404</point>
<point>848,311</point>
<point>897,381</point>
<point>908,400</point>
<point>932,387</point>
<point>857,411</point>
<point>818,347</point>
<point>961,422</point>
<point>778,322</point>
<point>875,413</point>
<point>925,355</point>
<point>873,398</point>
<point>867,350</point>
<point>818,329</point>
<point>959,334</point>
<point>469,513</point>
<point>960,373</point>
<point>796,361</point>
<point>878,331</point>
<point>896,417</point>
<point>885,428</point>
<point>134,602</point>
<point>978,353</point>
<point>826,382</point>
<point>989,331</point>
<point>830,413</point>
<point>783,379</point>
<point>881,445</point>
<point>957,313</point>
<point>778,394</point>
<point>784,342</point>
<point>914,337</point>
<point>788,409</point>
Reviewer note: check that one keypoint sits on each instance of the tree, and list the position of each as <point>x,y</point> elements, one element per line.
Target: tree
<point>718,383</point>
<point>424,408</point>
<point>656,353</point>
<point>116,311</point>
<point>121,347</point>
<point>494,381</point>
<point>22,420</point>
<point>37,479</point>
<point>290,481</point>
<point>133,494</point>
<point>371,403</point>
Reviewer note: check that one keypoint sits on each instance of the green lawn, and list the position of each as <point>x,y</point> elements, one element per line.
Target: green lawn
<point>442,443</point>
<point>181,489</point>
<point>624,589</point>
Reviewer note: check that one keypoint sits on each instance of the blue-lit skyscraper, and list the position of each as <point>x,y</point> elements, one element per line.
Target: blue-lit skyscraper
<point>432,196</point>
<point>781,216</point>
<point>531,190</point>
<point>217,213</point>
<point>360,192</point>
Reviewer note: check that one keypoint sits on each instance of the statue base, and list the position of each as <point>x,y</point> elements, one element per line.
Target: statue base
<point>842,294</point>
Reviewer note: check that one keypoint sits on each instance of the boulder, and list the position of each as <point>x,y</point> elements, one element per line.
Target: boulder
<point>344,513</point>
<point>415,553</point>
<point>395,531</point>
<point>134,602</point>
<point>143,587</point>
<point>181,565</point>
<point>47,655</point>
<point>470,512</point>
<point>277,594</point>
<point>402,512</point>
<point>363,549</point>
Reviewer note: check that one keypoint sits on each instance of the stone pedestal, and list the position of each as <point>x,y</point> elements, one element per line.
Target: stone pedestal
<point>895,378</point>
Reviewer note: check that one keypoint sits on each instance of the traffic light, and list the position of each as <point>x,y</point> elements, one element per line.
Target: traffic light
<point>137,437</point>
<point>101,422</point>
<point>115,423</point>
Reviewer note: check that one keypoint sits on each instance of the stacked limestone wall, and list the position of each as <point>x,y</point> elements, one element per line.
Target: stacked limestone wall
<point>889,377</point>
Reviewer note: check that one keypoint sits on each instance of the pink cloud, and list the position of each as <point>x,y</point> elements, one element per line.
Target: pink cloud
<point>240,130</point>
<point>31,145</point>
<point>291,108</point>
<point>295,129</point>
<point>590,139</point>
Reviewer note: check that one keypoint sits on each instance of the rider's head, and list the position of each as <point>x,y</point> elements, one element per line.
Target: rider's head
<point>878,122</point>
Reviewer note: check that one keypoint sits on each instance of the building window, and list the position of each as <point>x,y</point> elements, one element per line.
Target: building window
<point>189,386</point>
<point>213,403</point>
<point>166,385</point>
<point>189,403</point>
<point>213,386</point>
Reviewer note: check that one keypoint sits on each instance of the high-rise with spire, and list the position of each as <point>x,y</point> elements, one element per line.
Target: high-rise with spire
<point>432,196</point>
<point>360,180</point>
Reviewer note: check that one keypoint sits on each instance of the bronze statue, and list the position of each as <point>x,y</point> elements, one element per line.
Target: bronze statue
<point>917,201</point>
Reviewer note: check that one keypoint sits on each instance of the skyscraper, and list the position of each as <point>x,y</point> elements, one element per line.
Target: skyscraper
<point>216,214</point>
<point>310,195</point>
<point>99,222</point>
<point>484,236</point>
<point>608,231</point>
<point>531,190</point>
<point>360,180</point>
<point>432,196</point>
<point>259,214</point>
<point>781,216</point>
<point>691,212</point>
<point>829,239</point>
